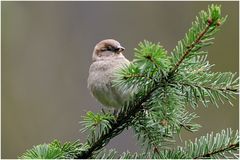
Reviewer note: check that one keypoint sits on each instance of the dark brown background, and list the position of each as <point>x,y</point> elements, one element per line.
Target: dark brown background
<point>46,53</point>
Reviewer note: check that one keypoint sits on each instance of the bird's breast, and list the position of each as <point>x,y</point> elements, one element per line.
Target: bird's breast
<point>100,82</point>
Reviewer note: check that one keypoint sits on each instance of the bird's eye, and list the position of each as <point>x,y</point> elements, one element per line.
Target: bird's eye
<point>110,48</point>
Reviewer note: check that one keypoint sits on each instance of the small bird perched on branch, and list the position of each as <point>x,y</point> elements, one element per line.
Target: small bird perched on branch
<point>107,59</point>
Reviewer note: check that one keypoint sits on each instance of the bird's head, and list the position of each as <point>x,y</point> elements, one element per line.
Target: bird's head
<point>107,49</point>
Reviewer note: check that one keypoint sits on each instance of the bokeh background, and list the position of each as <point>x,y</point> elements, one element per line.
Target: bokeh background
<point>46,53</point>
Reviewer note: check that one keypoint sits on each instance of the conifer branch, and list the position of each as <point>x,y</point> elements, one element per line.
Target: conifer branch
<point>116,127</point>
<point>221,150</point>
<point>161,86</point>
<point>224,89</point>
<point>211,146</point>
<point>190,48</point>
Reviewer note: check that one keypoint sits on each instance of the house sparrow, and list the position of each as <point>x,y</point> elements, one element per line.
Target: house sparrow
<point>107,59</point>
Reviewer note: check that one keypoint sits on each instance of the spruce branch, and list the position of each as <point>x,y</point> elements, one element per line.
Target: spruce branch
<point>190,48</point>
<point>220,151</point>
<point>151,56</point>
<point>97,121</point>
<point>198,36</point>
<point>148,59</point>
<point>55,150</point>
<point>222,145</point>
<point>209,87</point>
<point>122,121</point>
<point>161,86</point>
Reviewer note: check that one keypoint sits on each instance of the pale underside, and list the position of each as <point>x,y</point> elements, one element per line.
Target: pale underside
<point>101,74</point>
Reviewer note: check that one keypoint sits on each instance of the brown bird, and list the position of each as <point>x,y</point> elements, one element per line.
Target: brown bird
<point>107,59</point>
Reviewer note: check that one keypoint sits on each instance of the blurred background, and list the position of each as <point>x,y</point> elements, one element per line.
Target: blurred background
<point>47,49</point>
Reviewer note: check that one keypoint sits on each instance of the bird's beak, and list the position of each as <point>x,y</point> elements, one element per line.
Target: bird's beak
<point>120,49</point>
